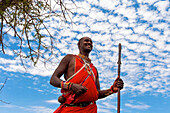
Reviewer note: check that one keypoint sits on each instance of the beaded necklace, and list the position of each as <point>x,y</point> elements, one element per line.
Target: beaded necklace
<point>84,57</point>
<point>87,67</point>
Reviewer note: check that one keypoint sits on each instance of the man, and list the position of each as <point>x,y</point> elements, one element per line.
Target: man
<point>81,88</point>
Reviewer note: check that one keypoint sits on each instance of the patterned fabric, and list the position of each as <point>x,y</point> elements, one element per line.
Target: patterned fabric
<point>87,79</point>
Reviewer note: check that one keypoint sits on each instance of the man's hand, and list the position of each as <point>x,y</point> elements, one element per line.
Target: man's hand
<point>118,83</point>
<point>78,89</point>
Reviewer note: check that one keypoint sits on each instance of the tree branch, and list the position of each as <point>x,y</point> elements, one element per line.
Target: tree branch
<point>3,85</point>
<point>1,36</point>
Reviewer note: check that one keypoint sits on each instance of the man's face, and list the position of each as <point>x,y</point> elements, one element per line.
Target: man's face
<point>86,44</point>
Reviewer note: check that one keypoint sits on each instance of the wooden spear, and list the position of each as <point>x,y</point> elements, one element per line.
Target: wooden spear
<point>119,63</point>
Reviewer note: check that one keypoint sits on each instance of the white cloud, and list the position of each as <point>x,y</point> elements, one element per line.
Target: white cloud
<point>145,53</point>
<point>97,14</point>
<point>55,101</point>
<point>94,2</point>
<point>83,7</point>
<point>6,61</point>
<point>140,29</point>
<point>162,6</point>
<point>140,106</point>
<point>16,66</point>
<point>146,14</point>
<point>109,4</point>
<point>34,109</point>
<point>113,20</point>
<point>40,109</point>
<point>129,12</point>
<point>150,2</point>
<point>142,51</point>
<point>13,68</point>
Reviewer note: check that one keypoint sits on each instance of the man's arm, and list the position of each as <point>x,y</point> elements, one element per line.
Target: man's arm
<point>61,69</point>
<point>113,89</point>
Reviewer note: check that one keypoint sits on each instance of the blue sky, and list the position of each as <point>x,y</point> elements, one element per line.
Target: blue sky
<point>143,29</point>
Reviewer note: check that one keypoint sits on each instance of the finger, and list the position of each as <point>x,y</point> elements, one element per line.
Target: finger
<point>117,78</point>
<point>120,82</point>
<point>84,90</point>
<point>120,86</point>
<point>79,92</point>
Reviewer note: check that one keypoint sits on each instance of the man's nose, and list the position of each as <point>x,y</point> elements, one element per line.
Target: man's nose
<point>89,42</point>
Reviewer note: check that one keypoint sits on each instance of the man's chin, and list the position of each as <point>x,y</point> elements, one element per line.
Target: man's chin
<point>88,50</point>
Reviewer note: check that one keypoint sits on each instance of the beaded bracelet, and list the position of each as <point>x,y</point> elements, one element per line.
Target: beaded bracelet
<point>67,86</point>
<point>70,86</point>
<point>62,84</point>
<point>111,88</point>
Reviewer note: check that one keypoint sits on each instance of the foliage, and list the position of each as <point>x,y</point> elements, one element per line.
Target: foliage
<point>25,18</point>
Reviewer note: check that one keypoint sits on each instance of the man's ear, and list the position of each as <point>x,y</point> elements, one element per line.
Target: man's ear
<point>78,44</point>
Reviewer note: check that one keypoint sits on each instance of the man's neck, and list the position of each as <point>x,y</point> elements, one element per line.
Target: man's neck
<point>85,54</point>
<point>85,57</point>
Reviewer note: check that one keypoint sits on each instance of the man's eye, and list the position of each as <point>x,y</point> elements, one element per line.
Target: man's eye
<point>88,40</point>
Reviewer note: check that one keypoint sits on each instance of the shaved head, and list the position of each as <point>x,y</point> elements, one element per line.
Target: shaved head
<point>85,44</point>
<point>81,40</point>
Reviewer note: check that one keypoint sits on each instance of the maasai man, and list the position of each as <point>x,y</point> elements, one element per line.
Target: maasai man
<point>81,88</point>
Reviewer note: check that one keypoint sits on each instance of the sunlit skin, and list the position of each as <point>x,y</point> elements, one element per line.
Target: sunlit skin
<point>67,67</point>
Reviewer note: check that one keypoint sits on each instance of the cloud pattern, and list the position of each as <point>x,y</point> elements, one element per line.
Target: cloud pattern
<point>141,26</point>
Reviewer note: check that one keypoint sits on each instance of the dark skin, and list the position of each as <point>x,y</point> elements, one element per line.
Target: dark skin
<point>67,67</point>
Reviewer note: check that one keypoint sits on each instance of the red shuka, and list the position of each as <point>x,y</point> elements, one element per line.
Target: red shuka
<point>88,80</point>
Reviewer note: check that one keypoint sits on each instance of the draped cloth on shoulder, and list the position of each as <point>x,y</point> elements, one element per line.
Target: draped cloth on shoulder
<point>86,77</point>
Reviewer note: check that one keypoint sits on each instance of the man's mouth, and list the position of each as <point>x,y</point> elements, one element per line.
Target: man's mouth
<point>89,46</point>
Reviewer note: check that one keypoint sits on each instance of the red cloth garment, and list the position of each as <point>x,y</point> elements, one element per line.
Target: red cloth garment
<point>88,109</point>
<point>87,79</point>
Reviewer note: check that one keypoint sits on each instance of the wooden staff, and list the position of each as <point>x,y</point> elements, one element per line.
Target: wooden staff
<point>119,63</point>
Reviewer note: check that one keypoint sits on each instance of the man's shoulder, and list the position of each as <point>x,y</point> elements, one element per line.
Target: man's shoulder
<point>69,56</point>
